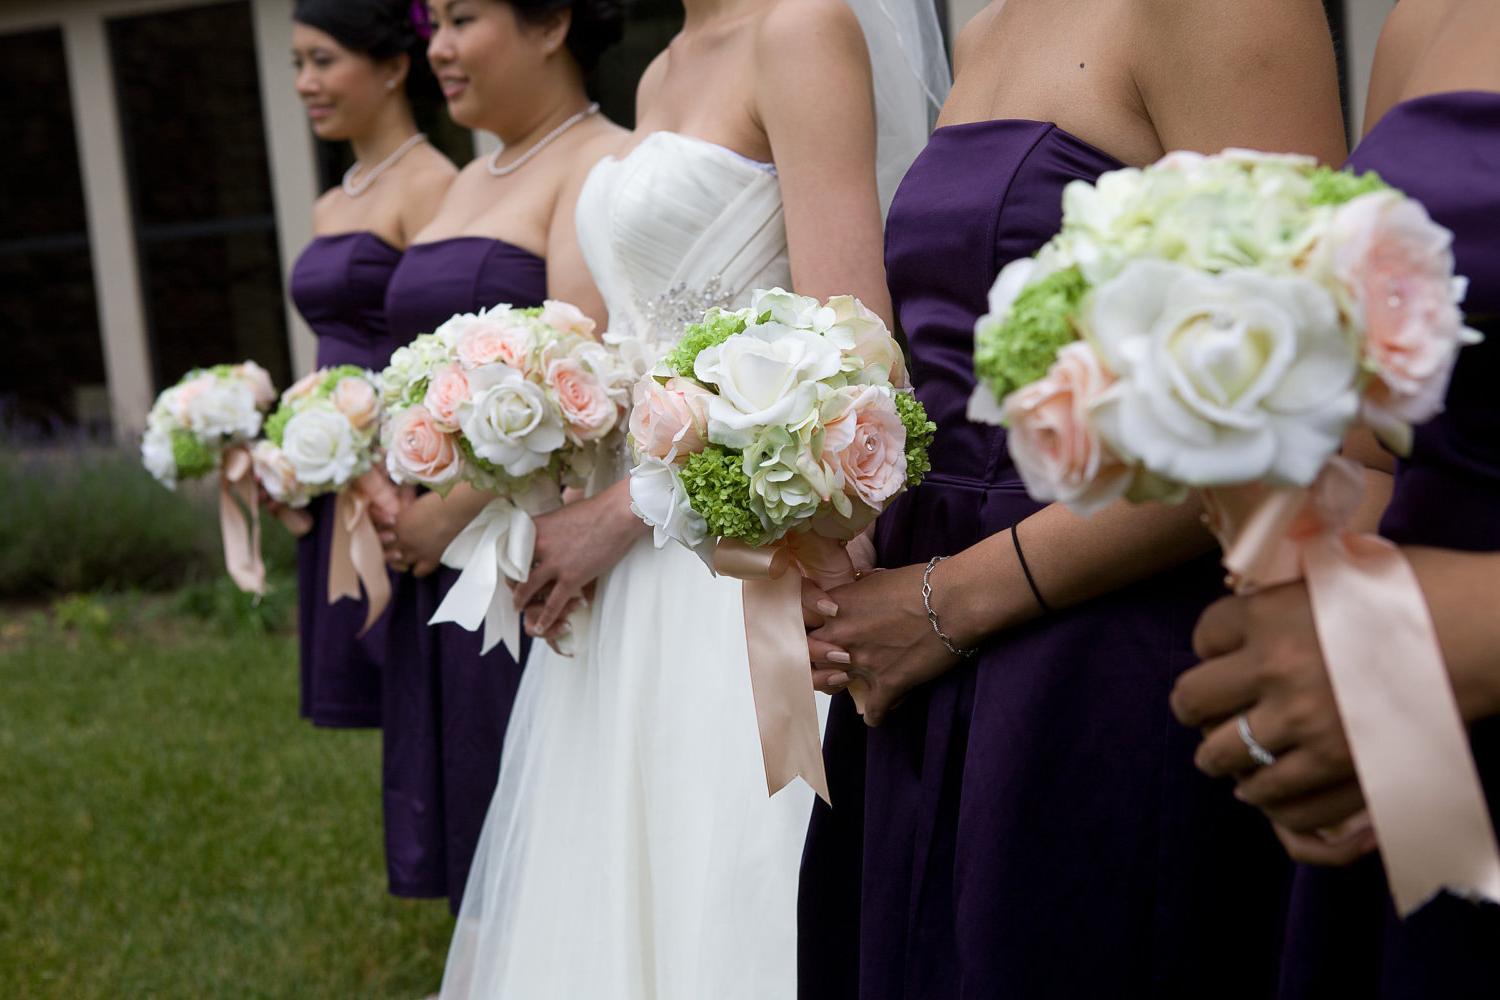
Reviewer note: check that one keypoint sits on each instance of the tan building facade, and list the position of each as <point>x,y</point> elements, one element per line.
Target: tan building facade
<point>163,181</point>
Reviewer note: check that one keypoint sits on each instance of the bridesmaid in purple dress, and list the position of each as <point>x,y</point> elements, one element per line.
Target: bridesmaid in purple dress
<point>503,234</point>
<point>1434,132</point>
<point>353,61</point>
<point>1025,820</point>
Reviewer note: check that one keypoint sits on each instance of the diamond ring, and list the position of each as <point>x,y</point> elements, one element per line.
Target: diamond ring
<point>1258,753</point>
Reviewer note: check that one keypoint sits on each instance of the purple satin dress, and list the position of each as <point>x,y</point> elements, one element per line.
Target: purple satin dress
<point>1030,824</point>
<point>1343,936</point>
<point>446,706</point>
<point>339,285</point>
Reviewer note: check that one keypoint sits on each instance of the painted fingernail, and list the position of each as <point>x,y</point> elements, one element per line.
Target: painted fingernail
<point>838,656</point>
<point>827,608</point>
<point>838,680</point>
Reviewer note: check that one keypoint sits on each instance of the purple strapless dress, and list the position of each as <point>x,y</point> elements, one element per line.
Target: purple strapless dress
<point>446,707</point>
<point>1343,937</point>
<point>339,285</point>
<point>1031,823</point>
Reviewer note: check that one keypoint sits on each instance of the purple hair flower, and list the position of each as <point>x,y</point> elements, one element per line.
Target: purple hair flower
<point>420,22</point>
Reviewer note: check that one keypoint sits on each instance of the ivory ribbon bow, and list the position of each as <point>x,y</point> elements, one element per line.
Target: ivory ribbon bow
<point>239,521</point>
<point>499,542</point>
<point>786,712</point>
<point>356,559</point>
<point>1407,739</point>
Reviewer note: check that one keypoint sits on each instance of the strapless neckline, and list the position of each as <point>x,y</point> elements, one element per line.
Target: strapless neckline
<point>359,234</point>
<point>709,144</point>
<point>1055,128</point>
<point>1400,108</point>
<point>448,240</point>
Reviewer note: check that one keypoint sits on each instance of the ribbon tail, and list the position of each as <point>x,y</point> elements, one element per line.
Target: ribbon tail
<point>468,601</point>
<point>500,540</point>
<point>239,523</point>
<point>355,560</point>
<point>785,711</point>
<point>1408,741</point>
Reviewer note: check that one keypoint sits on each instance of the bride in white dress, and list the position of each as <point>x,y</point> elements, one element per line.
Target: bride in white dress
<point>631,851</point>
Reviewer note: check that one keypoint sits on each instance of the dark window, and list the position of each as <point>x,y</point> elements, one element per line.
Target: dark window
<point>195,147</point>
<point>54,370</point>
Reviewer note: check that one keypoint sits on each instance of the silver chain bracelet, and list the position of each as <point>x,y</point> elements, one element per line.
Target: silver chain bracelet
<point>932,618</point>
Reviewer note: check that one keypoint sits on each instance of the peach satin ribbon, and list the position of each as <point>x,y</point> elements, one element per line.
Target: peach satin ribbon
<point>1409,745</point>
<point>356,558</point>
<point>239,521</point>
<point>786,712</point>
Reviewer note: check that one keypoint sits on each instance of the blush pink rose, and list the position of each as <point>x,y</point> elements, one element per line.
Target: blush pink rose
<point>586,407</point>
<point>566,318</point>
<point>488,344</point>
<point>448,390</point>
<point>417,451</point>
<point>356,399</point>
<point>873,342</point>
<point>867,442</point>
<point>303,387</point>
<point>182,404</point>
<point>1396,266</point>
<point>1052,437</point>
<point>260,383</point>
<point>669,421</point>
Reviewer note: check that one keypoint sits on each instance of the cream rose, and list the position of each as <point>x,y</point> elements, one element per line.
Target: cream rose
<point>1223,379</point>
<point>157,456</point>
<point>787,482</point>
<point>766,376</point>
<point>669,422</point>
<point>446,392</point>
<point>586,407</point>
<point>357,400</point>
<point>304,387</point>
<point>1052,436</point>
<point>276,474</point>
<point>220,408</point>
<point>566,318</point>
<point>858,330</point>
<point>318,442</point>
<point>509,422</point>
<point>867,441</point>
<point>417,450</point>
<point>790,309</point>
<point>1395,267</point>
<point>259,381</point>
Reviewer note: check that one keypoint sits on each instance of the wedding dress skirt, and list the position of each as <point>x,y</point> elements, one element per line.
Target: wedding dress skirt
<point>631,851</point>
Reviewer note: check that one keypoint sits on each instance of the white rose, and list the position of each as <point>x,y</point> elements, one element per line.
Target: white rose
<point>318,443</point>
<point>156,455</point>
<point>1223,379</point>
<point>658,499</point>
<point>222,408</point>
<point>509,422</point>
<point>766,376</point>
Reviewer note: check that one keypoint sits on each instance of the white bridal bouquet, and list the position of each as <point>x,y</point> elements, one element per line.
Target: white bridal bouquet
<point>516,402</point>
<point>322,438</point>
<point>1218,324</point>
<point>767,438</point>
<point>204,424</point>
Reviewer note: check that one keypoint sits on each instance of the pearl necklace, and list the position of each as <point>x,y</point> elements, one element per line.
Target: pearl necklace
<point>493,163</point>
<point>354,188</point>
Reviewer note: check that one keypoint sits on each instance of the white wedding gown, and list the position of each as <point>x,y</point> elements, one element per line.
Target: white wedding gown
<point>631,851</point>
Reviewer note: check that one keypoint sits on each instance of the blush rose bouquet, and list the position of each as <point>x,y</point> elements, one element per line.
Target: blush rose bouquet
<point>1216,325</point>
<point>766,440</point>
<point>520,403</point>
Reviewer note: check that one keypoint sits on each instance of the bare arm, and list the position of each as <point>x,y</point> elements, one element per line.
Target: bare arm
<point>824,149</point>
<point>1258,74</point>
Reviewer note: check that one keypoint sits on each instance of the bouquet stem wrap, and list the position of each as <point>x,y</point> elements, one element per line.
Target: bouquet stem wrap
<point>239,521</point>
<point>356,558</point>
<point>786,712</point>
<point>1406,737</point>
<point>499,542</point>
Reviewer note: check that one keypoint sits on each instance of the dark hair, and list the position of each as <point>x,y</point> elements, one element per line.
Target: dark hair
<point>596,25</point>
<point>380,29</point>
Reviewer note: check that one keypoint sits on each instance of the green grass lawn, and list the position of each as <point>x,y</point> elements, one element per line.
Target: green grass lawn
<point>170,828</point>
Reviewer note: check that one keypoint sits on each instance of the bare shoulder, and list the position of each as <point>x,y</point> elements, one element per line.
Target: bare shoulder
<point>604,138</point>
<point>429,176</point>
<point>650,83</point>
<point>1223,25</point>
<point>793,29</point>
<point>323,207</point>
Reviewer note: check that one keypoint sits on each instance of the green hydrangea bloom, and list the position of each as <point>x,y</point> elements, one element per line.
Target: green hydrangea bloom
<point>719,490</point>
<point>717,327</point>
<point>275,425</point>
<point>919,435</point>
<point>1020,350</point>
<point>336,375</point>
<point>1335,187</point>
<point>192,457</point>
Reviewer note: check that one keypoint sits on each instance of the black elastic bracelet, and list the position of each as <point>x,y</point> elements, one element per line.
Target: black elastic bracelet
<point>1035,590</point>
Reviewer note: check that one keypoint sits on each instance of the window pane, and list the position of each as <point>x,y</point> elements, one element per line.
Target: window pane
<point>55,366</point>
<point>190,116</point>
